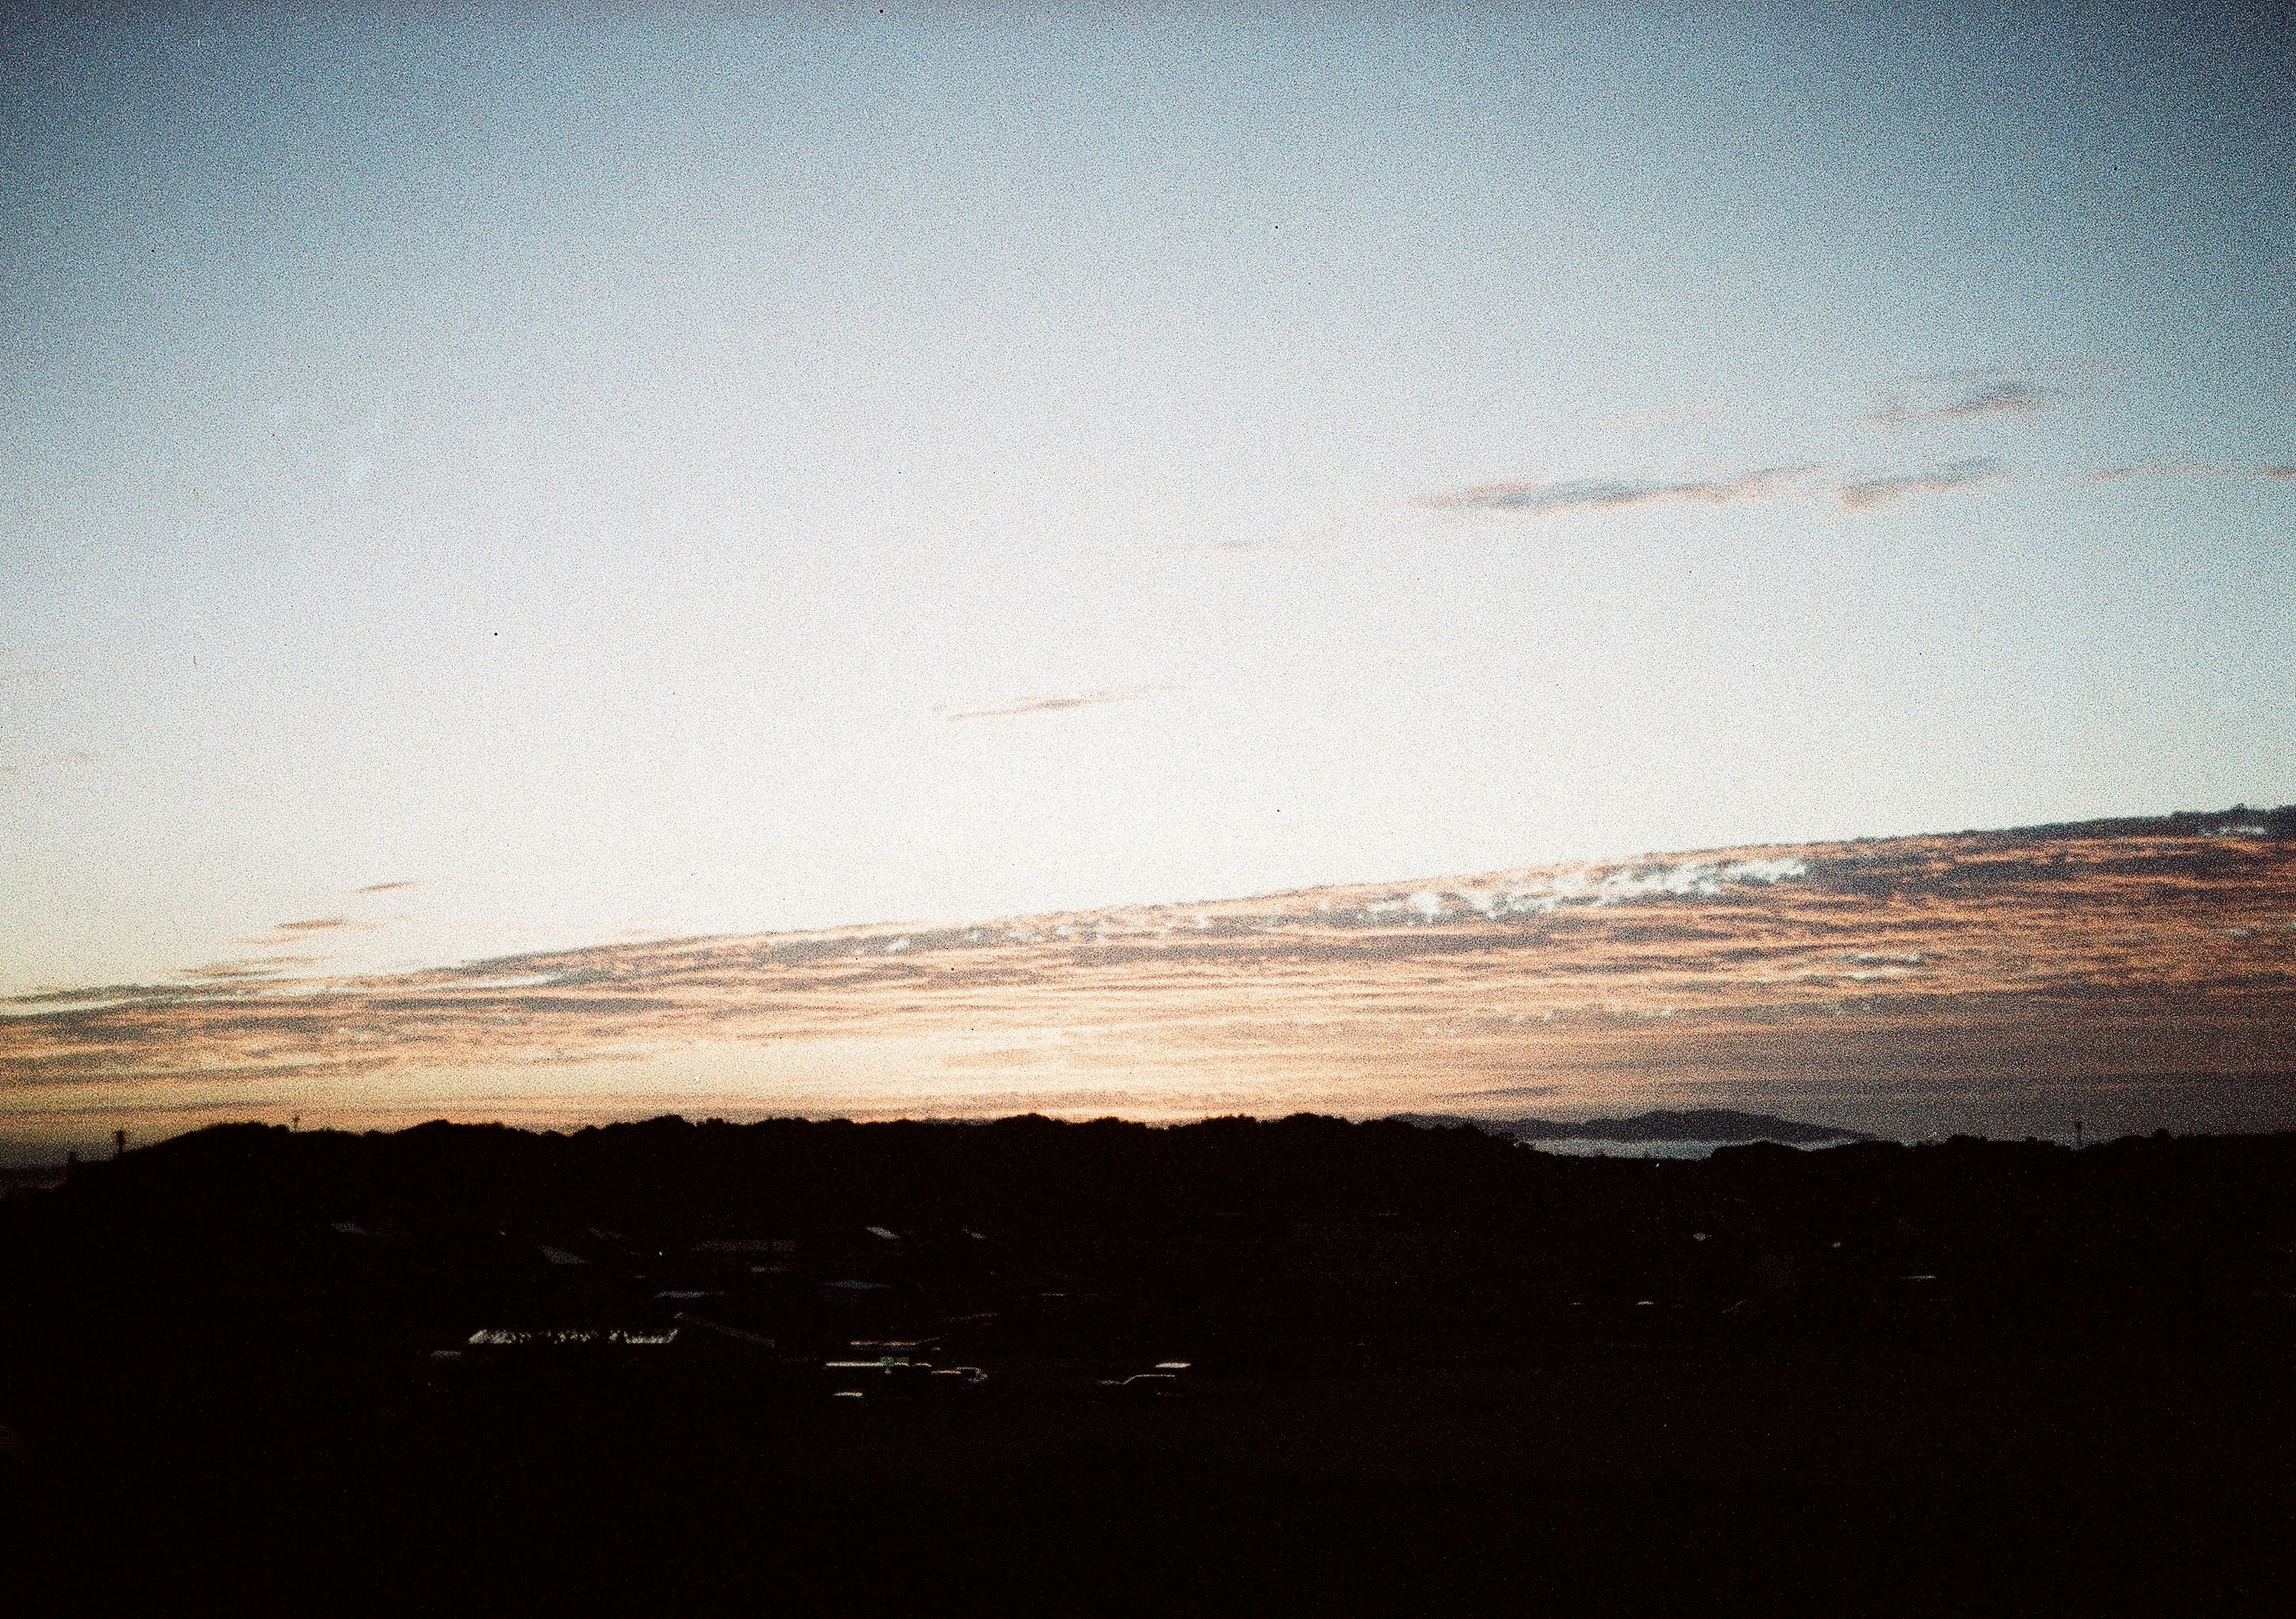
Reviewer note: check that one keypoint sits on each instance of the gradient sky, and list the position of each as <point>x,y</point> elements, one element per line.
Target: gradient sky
<point>510,479</point>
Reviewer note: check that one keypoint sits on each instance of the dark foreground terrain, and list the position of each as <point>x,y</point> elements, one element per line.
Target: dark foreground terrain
<point>1294,1365</point>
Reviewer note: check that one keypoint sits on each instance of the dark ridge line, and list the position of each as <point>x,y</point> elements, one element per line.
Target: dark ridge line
<point>1720,1125</point>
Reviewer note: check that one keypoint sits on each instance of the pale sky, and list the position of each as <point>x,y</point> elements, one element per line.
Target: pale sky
<point>531,479</point>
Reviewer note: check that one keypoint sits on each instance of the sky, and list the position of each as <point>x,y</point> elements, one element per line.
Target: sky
<point>2134,974</point>
<point>530,479</point>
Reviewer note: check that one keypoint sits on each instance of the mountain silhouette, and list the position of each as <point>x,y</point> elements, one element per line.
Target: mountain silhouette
<point>1718,1124</point>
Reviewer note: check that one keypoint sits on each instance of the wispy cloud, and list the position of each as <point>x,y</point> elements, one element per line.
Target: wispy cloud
<point>1712,414</point>
<point>1963,396</point>
<point>76,756</point>
<point>1863,494</point>
<point>246,968</point>
<point>1535,498</point>
<point>1502,1092</point>
<point>296,932</point>
<point>1247,544</point>
<point>388,888</point>
<point>1370,526</point>
<point>2195,469</point>
<point>1058,702</point>
<point>1546,498</point>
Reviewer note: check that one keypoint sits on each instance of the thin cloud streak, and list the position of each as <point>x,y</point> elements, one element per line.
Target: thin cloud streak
<point>1865,494</point>
<point>75,759</point>
<point>1543,497</point>
<point>251,968</point>
<point>1059,702</point>
<point>2278,474</point>
<point>1713,413</point>
<point>1547,498</point>
<point>1966,399</point>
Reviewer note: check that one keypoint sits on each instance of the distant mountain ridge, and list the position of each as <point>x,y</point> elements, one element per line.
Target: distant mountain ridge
<point>1658,1125</point>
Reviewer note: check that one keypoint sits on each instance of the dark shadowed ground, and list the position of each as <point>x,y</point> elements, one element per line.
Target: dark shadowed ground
<point>1425,1367</point>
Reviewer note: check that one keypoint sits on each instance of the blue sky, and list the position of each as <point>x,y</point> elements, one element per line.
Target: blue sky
<point>527,479</point>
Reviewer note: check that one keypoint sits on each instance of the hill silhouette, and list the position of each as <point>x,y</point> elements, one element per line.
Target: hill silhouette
<point>1720,1124</point>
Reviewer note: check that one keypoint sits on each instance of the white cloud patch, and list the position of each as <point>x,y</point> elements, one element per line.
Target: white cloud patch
<point>1544,895</point>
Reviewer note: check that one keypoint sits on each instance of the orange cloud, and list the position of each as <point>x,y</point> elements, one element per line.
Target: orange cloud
<point>1918,982</point>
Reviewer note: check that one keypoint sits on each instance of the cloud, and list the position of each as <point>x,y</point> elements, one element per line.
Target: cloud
<point>1237,547</point>
<point>388,888</point>
<point>1058,702</point>
<point>76,756</point>
<point>1531,498</point>
<point>292,933</point>
<point>2283,473</point>
<point>1963,396</point>
<point>1544,498</point>
<point>1712,414</point>
<point>1863,494</point>
<point>1370,526</point>
<point>246,968</point>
